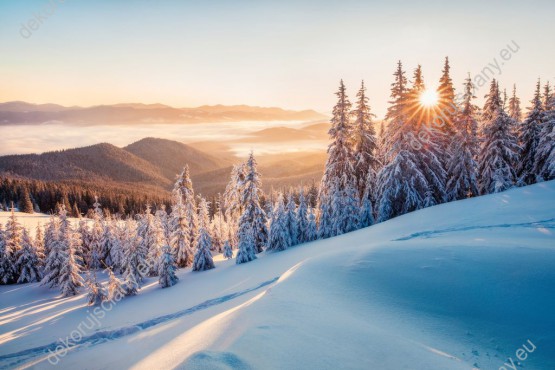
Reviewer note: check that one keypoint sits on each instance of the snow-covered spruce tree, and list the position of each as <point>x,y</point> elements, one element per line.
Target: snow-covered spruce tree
<point>96,294</point>
<point>515,112</point>
<point>12,246</point>
<point>184,187</point>
<point>69,279</point>
<point>433,153</point>
<point>280,235</point>
<point>107,242</point>
<point>39,246</point>
<point>6,267</point>
<point>218,227</point>
<point>166,268</point>
<point>203,257</point>
<point>325,221</point>
<point>312,229</point>
<point>381,149</point>
<point>95,241</point>
<point>246,241</point>
<point>54,253</point>
<point>365,145</point>
<point>164,221</point>
<point>528,138</point>
<point>51,233</point>
<point>499,148</point>
<point>346,205</point>
<point>366,212</point>
<point>462,167</point>
<point>84,235</point>
<point>151,240</point>
<point>228,253</point>
<point>180,240</point>
<point>116,251</point>
<point>291,219</point>
<point>28,262</point>
<point>446,109</point>
<point>338,194</point>
<point>402,185</point>
<point>232,201</point>
<point>252,231</point>
<point>135,265</point>
<point>116,288</point>
<point>302,218</point>
<point>544,163</point>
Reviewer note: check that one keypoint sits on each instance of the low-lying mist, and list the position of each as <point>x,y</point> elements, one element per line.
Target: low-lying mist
<point>237,138</point>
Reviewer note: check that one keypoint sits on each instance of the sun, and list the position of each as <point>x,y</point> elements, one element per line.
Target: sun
<point>429,98</point>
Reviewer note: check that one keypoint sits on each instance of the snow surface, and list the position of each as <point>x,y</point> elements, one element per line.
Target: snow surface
<point>457,286</point>
<point>30,220</point>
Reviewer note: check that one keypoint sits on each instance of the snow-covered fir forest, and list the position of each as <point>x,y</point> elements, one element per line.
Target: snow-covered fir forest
<point>421,155</point>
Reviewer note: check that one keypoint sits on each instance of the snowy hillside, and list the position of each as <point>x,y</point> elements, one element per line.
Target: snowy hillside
<point>458,286</point>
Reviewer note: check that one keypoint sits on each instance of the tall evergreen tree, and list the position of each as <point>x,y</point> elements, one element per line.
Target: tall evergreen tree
<point>96,233</point>
<point>180,237</point>
<point>302,218</point>
<point>338,194</point>
<point>135,265</point>
<point>28,262</point>
<point>7,270</point>
<point>529,137</point>
<point>253,232</point>
<point>366,213</point>
<point>69,279</point>
<point>365,144</point>
<point>166,268</point>
<point>291,219</point>
<point>547,97</point>
<point>312,229</point>
<point>325,221</point>
<point>39,246</point>
<point>499,149</point>
<point>544,163</point>
<point>54,253</point>
<point>462,167</point>
<point>232,201</point>
<point>84,235</point>
<point>12,247</point>
<point>203,257</point>
<point>218,227</point>
<point>515,112</point>
<point>151,239</point>
<point>280,233</point>
<point>108,242</point>
<point>446,105</point>
<point>184,187</point>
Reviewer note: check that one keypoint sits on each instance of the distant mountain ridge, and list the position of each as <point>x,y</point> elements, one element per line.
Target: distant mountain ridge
<point>19,112</point>
<point>152,164</point>
<point>150,161</point>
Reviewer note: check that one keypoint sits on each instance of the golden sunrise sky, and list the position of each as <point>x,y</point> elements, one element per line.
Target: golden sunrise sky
<point>267,53</point>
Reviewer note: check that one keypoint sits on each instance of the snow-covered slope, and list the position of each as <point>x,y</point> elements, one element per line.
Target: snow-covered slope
<point>457,286</point>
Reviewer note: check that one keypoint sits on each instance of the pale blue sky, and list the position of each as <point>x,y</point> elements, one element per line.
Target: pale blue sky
<point>268,53</point>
